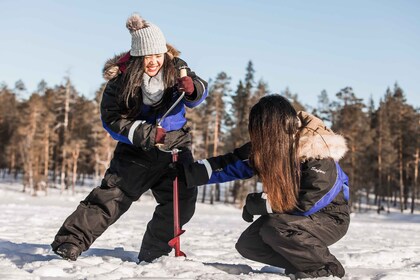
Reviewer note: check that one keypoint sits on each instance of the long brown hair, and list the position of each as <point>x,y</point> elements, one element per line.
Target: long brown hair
<point>132,79</point>
<point>273,127</point>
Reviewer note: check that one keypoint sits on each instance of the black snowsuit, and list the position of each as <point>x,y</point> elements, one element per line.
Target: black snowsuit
<point>300,243</point>
<point>292,241</point>
<point>135,168</point>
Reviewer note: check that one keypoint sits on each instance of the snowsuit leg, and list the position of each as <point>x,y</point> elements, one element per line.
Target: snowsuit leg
<point>304,241</point>
<point>161,228</point>
<point>100,209</point>
<point>124,182</point>
<point>131,173</point>
<point>251,246</point>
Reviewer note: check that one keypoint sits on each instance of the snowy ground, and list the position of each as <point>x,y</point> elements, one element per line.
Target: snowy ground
<point>376,246</point>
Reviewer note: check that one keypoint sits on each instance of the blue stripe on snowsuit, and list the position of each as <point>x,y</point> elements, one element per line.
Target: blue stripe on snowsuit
<point>341,184</point>
<point>115,135</point>
<point>192,104</point>
<point>239,169</point>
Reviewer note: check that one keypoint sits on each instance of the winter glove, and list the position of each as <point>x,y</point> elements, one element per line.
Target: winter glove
<point>256,204</point>
<point>246,216</point>
<point>175,170</point>
<point>160,135</point>
<point>185,84</point>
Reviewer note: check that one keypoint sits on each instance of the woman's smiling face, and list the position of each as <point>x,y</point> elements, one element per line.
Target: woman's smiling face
<point>153,63</point>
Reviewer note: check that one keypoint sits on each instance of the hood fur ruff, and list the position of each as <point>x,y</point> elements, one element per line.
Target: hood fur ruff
<point>322,146</point>
<point>111,68</point>
<point>318,141</point>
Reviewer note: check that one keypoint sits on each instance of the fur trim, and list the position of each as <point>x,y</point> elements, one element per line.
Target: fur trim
<point>135,22</point>
<point>172,51</point>
<point>111,68</point>
<point>322,146</point>
<point>317,140</point>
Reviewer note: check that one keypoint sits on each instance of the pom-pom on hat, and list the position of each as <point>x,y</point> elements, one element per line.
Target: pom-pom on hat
<point>146,38</point>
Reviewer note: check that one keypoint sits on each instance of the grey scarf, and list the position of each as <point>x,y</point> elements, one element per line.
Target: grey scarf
<point>152,89</point>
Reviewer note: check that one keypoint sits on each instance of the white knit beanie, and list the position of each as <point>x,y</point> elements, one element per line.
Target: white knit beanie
<point>146,38</point>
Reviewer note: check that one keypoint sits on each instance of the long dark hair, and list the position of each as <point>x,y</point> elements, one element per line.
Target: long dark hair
<point>273,127</point>
<point>131,84</point>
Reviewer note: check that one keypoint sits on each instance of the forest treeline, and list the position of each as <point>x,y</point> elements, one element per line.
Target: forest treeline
<point>55,139</point>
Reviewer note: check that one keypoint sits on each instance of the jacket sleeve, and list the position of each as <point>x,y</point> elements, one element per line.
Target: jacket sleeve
<point>224,168</point>
<point>317,179</point>
<point>200,86</point>
<point>134,132</point>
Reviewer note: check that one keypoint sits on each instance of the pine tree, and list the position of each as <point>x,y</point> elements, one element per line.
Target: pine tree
<point>261,91</point>
<point>8,126</point>
<point>239,133</point>
<point>323,110</point>
<point>385,153</point>
<point>293,98</point>
<point>99,143</point>
<point>65,99</point>
<point>354,124</point>
<point>403,124</point>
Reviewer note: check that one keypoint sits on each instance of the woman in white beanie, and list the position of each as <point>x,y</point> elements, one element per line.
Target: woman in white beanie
<point>143,85</point>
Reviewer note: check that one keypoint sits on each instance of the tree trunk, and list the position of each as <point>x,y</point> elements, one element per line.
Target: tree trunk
<point>415,186</point>
<point>217,194</point>
<point>46,155</point>
<point>400,160</point>
<point>212,194</point>
<point>12,161</point>
<point>65,125</point>
<point>203,198</point>
<point>379,186</point>
<point>75,156</point>
<point>388,191</point>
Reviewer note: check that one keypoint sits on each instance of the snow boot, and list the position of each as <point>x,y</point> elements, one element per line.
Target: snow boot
<point>68,251</point>
<point>334,269</point>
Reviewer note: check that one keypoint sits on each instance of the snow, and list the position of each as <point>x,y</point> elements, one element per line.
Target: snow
<point>385,246</point>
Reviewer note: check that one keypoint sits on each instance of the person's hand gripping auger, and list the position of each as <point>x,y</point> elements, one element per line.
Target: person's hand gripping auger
<point>160,131</point>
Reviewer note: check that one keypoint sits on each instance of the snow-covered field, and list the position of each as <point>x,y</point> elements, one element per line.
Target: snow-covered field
<point>376,246</point>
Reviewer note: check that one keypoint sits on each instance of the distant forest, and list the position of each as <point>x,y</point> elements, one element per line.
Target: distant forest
<point>55,139</point>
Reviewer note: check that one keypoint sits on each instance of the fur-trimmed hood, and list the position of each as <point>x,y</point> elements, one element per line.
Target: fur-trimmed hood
<point>318,141</point>
<point>114,66</point>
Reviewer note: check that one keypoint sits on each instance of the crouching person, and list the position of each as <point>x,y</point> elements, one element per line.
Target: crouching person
<point>304,203</point>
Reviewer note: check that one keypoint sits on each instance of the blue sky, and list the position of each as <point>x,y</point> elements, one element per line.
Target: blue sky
<point>305,45</point>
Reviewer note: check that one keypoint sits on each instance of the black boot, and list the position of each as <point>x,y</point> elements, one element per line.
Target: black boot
<point>150,255</point>
<point>334,269</point>
<point>68,251</point>
<point>323,272</point>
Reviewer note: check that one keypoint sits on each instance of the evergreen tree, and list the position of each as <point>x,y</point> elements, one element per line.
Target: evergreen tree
<point>99,143</point>
<point>293,98</point>
<point>8,126</point>
<point>215,118</point>
<point>261,91</point>
<point>239,133</point>
<point>354,124</point>
<point>323,110</point>
<point>385,154</point>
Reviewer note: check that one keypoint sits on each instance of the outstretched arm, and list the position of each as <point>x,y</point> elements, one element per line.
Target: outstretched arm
<point>224,168</point>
